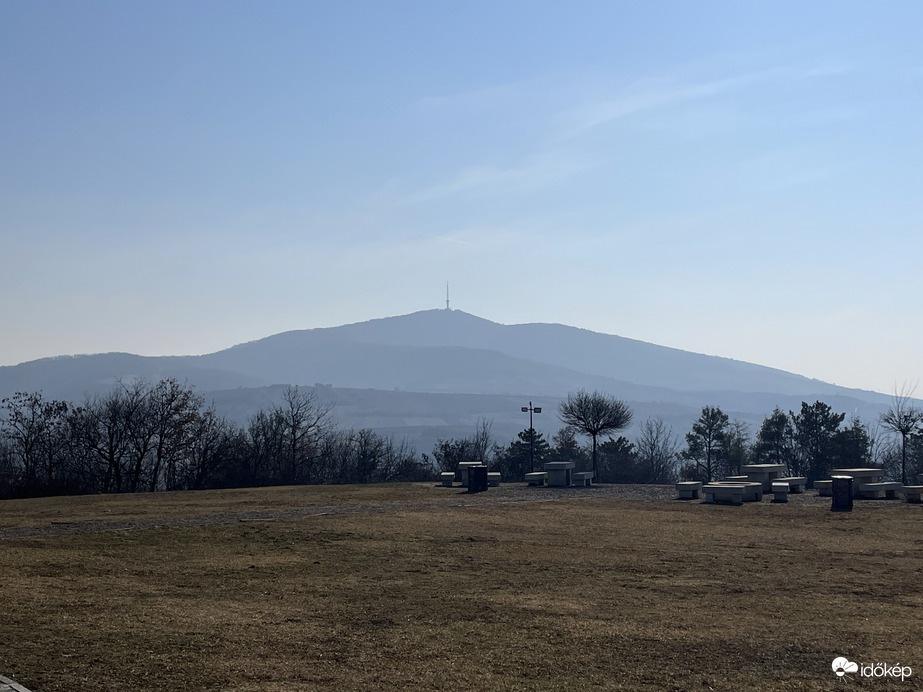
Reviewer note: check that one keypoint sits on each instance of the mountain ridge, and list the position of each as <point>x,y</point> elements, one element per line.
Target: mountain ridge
<point>414,361</point>
<point>553,344</point>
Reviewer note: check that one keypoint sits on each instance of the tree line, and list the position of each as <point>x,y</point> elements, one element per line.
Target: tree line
<point>145,437</point>
<point>809,443</point>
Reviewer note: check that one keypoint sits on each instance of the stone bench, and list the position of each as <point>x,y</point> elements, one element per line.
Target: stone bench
<point>795,483</point>
<point>870,491</point>
<point>717,492</point>
<point>537,478</point>
<point>493,478</point>
<point>689,490</point>
<point>824,488</point>
<point>447,477</point>
<point>912,493</point>
<point>736,479</point>
<point>582,478</point>
<point>780,491</point>
<point>753,491</point>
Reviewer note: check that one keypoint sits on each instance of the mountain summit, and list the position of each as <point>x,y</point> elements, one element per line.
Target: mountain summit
<point>433,351</point>
<point>451,350</point>
<point>434,373</point>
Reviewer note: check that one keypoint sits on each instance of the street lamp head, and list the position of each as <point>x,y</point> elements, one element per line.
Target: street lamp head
<point>537,409</point>
<point>525,409</point>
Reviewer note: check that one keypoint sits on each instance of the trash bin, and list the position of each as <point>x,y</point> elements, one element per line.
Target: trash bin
<point>477,479</point>
<point>842,493</point>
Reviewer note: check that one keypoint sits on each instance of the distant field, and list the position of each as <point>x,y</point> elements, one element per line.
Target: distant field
<point>418,587</point>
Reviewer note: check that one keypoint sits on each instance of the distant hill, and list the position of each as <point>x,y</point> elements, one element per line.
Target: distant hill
<point>415,346</point>
<point>405,374</point>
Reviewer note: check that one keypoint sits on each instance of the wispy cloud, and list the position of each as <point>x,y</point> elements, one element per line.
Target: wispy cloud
<point>541,94</point>
<point>489,179</point>
<point>649,96</point>
<point>450,239</point>
<point>563,111</point>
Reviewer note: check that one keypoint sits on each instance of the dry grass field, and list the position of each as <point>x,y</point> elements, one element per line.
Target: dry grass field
<point>419,587</point>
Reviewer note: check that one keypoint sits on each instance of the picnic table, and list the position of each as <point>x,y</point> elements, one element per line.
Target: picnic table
<point>463,467</point>
<point>735,493</point>
<point>559,472</point>
<point>764,474</point>
<point>861,477</point>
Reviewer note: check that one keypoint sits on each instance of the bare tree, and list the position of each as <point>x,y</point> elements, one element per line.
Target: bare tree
<point>594,415</point>
<point>448,453</point>
<point>33,430</point>
<point>904,418</point>
<point>736,446</point>
<point>103,429</point>
<point>879,445</point>
<point>657,451</point>
<point>305,421</point>
<point>265,448</point>
<point>482,439</point>
<point>214,442</point>
<point>175,410</point>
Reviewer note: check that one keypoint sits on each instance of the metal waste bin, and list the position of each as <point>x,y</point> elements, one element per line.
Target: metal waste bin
<point>842,493</point>
<point>477,479</point>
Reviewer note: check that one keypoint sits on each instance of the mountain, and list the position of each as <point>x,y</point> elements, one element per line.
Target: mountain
<point>431,351</point>
<point>427,364</point>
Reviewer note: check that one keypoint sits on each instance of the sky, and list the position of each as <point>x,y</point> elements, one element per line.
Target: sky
<point>740,179</point>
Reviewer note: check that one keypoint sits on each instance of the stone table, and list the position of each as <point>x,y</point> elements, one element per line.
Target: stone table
<point>559,472</point>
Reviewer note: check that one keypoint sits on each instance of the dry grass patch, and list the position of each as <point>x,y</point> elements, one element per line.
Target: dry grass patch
<point>569,595</point>
<point>153,506</point>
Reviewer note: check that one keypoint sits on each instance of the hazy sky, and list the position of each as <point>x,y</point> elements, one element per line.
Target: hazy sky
<point>735,178</point>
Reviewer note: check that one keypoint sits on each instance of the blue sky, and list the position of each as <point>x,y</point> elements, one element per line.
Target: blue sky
<point>734,178</point>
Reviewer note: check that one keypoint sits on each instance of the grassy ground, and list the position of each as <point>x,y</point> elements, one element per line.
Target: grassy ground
<point>109,508</point>
<point>565,595</point>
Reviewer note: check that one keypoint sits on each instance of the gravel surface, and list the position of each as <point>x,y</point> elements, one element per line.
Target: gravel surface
<point>442,497</point>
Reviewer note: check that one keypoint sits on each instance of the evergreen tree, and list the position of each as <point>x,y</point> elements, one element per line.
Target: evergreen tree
<point>514,462</point>
<point>850,447</point>
<point>703,442</point>
<point>618,461</point>
<point>566,447</point>
<point>775,441</point>
<point>815,428</point>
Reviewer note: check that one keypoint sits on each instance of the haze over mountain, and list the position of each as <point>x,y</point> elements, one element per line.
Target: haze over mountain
<point>424,350</point>
<point>434,372</point>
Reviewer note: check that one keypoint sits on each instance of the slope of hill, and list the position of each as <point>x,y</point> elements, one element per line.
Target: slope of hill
<point>601,355</point>
<point>416,363</point>
<point>73,377</point>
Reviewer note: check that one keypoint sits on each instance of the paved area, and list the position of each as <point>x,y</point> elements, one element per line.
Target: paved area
<point>7,685</point>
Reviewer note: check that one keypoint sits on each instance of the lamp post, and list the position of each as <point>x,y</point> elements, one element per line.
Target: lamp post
<point>530,410</point>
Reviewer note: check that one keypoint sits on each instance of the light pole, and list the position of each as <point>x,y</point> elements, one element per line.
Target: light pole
<point>537,409</point>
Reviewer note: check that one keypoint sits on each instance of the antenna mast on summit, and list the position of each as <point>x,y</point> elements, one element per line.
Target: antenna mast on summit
<point>447,296</point>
